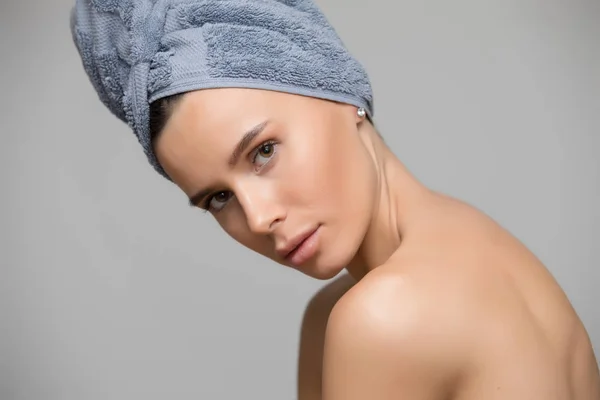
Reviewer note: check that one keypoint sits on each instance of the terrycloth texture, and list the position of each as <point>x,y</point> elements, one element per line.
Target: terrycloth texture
<point>138,51</point>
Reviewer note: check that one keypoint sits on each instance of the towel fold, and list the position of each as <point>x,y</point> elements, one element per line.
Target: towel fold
<point>138,51</point>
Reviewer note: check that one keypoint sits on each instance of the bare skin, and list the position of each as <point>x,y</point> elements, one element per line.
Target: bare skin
<point>446,305</point>
<point>312,336</point>
<point>495,321</point>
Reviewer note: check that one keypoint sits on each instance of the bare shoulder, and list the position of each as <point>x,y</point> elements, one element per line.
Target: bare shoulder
<point>323,301</point>
<point>312,336</point>
<point>393,336</point>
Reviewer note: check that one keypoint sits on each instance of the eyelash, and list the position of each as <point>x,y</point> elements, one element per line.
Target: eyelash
<point>206,204</point>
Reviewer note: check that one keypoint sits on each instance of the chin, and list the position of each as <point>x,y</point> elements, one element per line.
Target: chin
<point>334,255</point>
<point>325,268</point>
<point>321,272</point>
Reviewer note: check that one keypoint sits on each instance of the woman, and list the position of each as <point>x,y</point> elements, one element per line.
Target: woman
<point>259,114</point>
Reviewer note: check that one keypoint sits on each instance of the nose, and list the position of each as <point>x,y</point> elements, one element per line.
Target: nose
<point>259,202</point>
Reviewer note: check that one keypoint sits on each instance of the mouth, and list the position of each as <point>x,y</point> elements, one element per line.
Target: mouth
<point>301,248</point>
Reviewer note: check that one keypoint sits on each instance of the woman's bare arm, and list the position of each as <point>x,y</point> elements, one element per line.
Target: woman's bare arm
<point>312,337</point>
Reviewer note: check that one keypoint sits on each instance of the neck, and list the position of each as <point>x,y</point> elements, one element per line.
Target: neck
<point>400,200</point>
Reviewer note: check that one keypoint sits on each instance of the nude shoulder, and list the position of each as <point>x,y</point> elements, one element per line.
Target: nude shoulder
<point>390,336</point>
<point>398,298</point>
<point>312,336</point>
<point>393,307</point>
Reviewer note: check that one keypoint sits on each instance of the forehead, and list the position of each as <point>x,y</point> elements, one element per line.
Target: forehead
<point>209,115</point>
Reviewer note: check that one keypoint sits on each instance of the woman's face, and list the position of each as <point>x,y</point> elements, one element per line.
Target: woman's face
<point>274,168</point>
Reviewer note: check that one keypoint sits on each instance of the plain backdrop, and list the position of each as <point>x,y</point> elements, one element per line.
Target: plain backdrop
<point>112,288</point>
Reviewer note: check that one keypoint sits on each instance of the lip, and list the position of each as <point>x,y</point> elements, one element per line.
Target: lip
<point>293,245</point>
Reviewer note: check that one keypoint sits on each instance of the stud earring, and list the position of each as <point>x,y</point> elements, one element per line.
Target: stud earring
<point>361,112</point>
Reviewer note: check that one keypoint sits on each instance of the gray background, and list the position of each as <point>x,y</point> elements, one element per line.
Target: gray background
<point>112,288</point>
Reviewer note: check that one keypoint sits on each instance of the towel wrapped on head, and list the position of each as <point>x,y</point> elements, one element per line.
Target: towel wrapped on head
<point>138,51</point>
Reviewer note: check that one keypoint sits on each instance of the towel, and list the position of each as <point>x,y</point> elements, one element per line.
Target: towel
<point>138,51</point>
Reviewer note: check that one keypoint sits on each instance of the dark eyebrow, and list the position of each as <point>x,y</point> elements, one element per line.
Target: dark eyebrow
<point>241,146</point>
<point>245,142</point>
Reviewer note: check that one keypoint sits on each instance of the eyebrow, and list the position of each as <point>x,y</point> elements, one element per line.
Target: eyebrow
<point>241,146</point>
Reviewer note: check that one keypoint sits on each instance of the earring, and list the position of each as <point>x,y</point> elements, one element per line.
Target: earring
<point>361,112</point>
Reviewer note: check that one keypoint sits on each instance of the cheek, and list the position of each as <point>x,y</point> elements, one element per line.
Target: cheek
<point>330,172</point>
<point>305,178</point>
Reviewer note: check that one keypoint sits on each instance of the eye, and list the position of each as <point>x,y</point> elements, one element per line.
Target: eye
<point>217,201</point>
<point>261,156</point>
<point>264,154</point>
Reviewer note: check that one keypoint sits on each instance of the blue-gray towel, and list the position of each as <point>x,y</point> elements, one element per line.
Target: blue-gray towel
<point>138,51</point>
